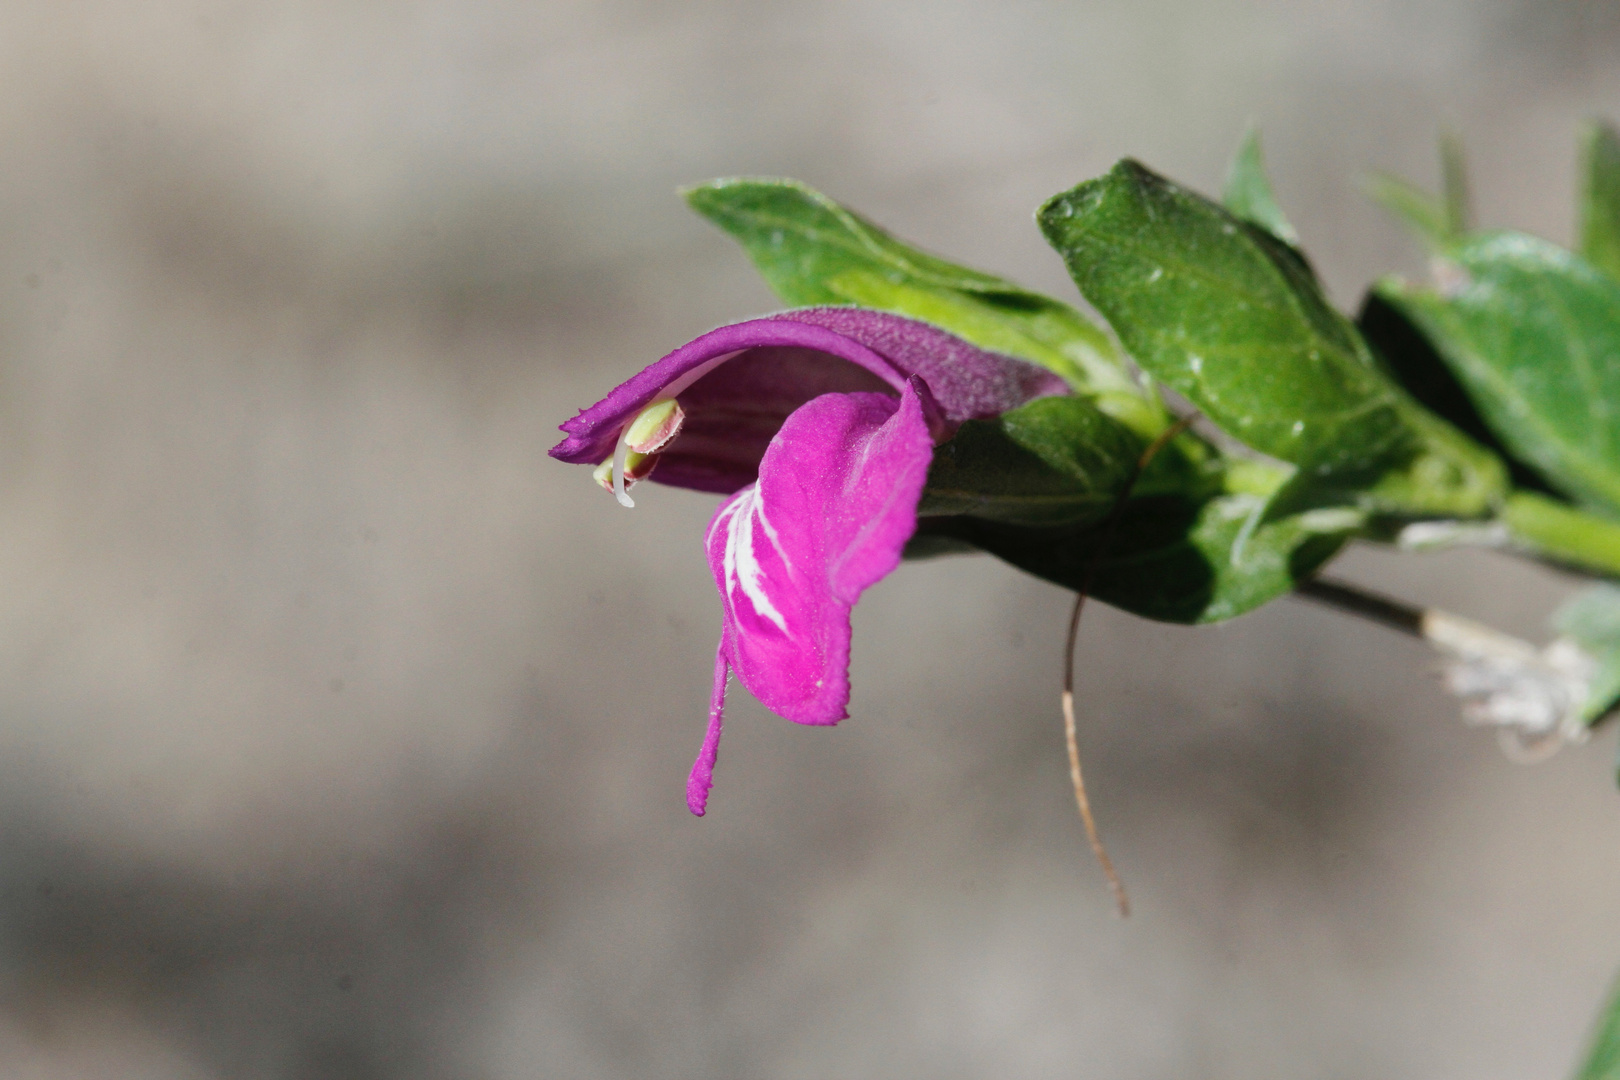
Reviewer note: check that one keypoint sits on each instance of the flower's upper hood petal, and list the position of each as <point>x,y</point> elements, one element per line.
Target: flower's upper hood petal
<point>835,504</point>
<point>739,383</point>
<point>968,382</point>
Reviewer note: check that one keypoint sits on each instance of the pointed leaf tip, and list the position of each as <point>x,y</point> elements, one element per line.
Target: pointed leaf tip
<point>1248,193</point>
<point>1454,191</point>
<point>1598,231</point>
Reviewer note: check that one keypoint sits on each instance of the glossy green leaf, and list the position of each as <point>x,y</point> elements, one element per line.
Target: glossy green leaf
<point>1055,461</point>
<point>1602,1060</point>
<point>1230,318</point>
<point>1248,191</point>
<point>1533,333</point>
<point>1177,558</point>
<point>1592,620</point>
<point>811,250</point>
<point>1599,228</point>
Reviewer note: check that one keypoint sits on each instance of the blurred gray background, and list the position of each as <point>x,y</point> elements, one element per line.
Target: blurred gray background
<point>343,734</point>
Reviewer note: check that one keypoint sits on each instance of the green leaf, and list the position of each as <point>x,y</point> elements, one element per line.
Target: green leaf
<point>1592,620</point>
<point>1055,461</point>
<point>1231,319</point>
<point>811,250</point>
<point>1603,1055</point>
<point>1181,558</point>
<point>1533,333</point>
<point>1599,228</point>
<point>1412,360</point>
<point>1248,192</point>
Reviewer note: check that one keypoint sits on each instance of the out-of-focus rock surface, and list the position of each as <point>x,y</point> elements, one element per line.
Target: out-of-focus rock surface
<point>343,734</point>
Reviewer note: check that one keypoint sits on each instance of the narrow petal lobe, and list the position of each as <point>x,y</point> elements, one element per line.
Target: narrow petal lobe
<point>701,778</point>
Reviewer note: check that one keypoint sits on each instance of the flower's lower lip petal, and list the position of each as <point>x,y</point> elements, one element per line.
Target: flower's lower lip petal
<point>834,506</point>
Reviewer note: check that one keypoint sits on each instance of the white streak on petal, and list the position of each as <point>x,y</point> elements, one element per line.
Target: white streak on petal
<point>771,534</point>
<point>740,563</point>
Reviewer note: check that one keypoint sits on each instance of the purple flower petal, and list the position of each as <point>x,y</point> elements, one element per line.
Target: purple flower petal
<point>733,412</point>
<point>835,503</point>
<point>823,422</point>
<point>736,385</point>
<point>702,776</point>
<point>969,383</point>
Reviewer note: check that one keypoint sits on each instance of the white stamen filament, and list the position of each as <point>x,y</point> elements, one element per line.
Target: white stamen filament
<point>621,451</point>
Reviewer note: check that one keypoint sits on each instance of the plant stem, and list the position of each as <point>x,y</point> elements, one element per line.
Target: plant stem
<point>1450,633</point>
<point>1440,628</point>
<point>1562,533</point>
<point>1378,609</point>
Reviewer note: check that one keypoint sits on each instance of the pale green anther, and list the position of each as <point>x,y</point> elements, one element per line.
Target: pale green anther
<point>654,427</point>
<point>637,451</point>
<point>636,467</point>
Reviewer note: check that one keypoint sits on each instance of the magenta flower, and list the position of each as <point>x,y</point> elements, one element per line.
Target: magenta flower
<point>820,425</point>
